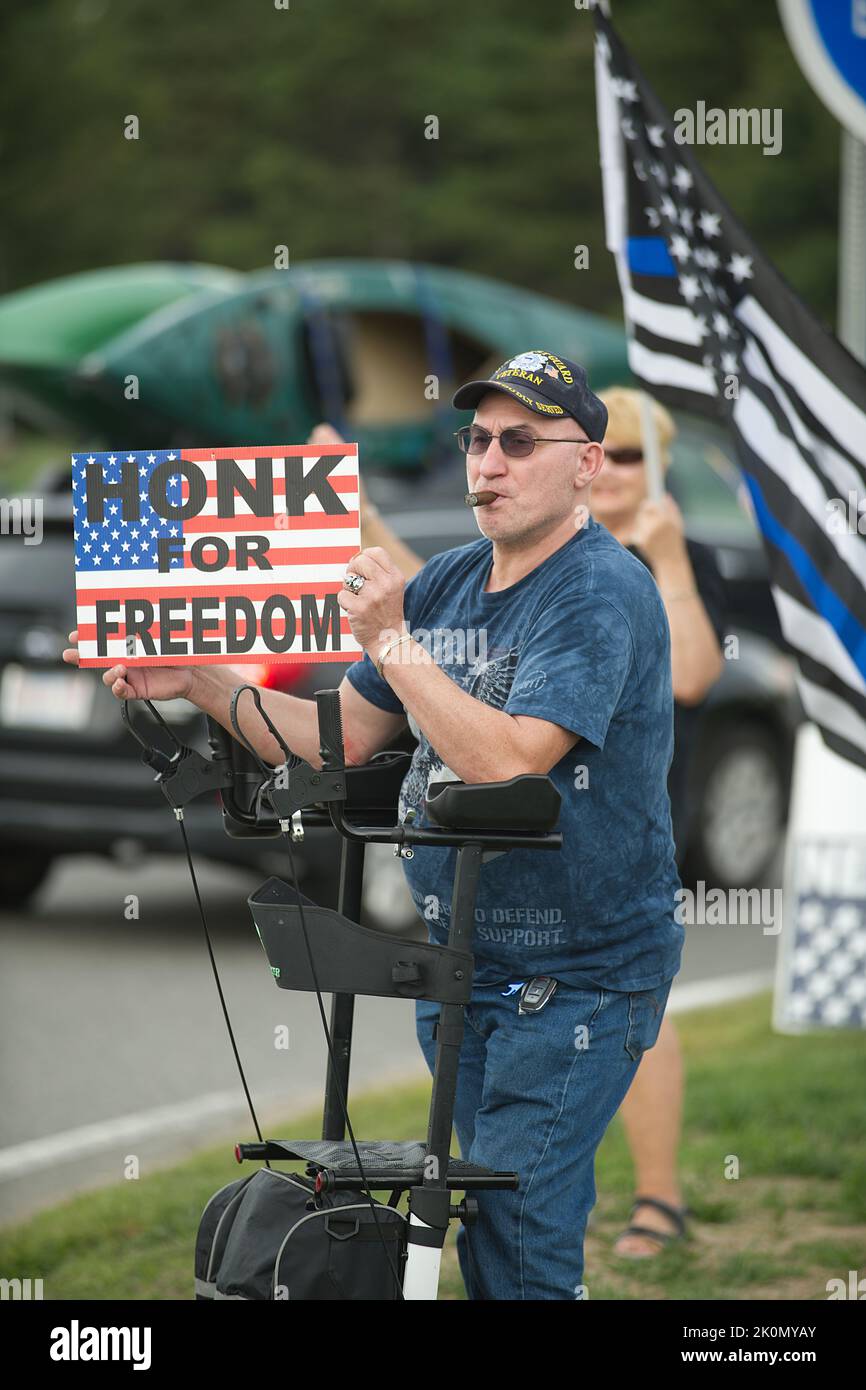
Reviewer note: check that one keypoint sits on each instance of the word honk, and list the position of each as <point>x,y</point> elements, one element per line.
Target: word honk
<point>77,1343</point>
<point>231,484</point>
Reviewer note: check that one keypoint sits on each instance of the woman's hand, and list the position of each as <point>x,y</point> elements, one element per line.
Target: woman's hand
<point>141,682</point>
<point>376,534</point>
<point>659,531</point>
<point>326,434</point>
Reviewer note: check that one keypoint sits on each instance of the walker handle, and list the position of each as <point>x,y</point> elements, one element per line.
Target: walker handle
<point>330,730</point>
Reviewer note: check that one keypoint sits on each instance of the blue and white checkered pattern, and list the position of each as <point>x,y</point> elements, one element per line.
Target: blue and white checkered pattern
<point>826,964</point>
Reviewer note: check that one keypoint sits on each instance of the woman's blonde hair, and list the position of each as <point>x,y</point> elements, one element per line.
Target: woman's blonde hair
<point>623,419</point>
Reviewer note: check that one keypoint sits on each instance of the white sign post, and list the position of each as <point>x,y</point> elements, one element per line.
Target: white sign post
<point>821,966</point>
<point>821,969</point>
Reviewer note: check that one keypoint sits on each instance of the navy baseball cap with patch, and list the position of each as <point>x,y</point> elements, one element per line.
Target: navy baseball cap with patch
<point>547,384</point>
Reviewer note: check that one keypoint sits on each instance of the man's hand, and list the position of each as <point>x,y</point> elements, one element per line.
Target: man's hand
<point>141,682</point>
<point>376,613</point>
<point>659,531</point>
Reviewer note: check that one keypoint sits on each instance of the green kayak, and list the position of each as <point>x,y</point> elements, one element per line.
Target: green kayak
<point>376,347</point>
<point>46,330</point>
<point>145,355</point>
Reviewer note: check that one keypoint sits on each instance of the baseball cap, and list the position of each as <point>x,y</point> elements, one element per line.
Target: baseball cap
<point>547,384</point>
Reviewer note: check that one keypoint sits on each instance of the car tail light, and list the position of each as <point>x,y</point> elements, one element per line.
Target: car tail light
<point>284,675</point>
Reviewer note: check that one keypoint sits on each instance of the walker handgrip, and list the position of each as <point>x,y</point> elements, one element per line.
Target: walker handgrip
<point>330,728</point>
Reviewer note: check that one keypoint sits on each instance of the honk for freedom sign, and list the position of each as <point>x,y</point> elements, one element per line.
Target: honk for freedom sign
<point>202,556</point>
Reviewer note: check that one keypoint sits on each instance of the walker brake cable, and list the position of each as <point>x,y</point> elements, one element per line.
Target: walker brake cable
<point>182,775</point>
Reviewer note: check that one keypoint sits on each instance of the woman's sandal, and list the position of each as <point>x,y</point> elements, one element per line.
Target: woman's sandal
<point>676,1215</point>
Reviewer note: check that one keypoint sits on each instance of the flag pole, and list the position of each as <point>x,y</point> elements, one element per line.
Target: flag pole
<point>827,793</point>
<point>652,454</point>
<point>851,316</point>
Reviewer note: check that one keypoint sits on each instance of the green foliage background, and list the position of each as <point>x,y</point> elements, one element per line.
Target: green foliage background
<point>305,126</point>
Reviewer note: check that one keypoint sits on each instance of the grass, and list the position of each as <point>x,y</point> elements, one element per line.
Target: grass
<point>789,1110</point>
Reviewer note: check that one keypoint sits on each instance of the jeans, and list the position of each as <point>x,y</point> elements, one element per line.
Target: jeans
<point>535,1094</point>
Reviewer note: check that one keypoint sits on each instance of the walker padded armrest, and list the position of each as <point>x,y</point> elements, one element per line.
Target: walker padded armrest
<point>528,802</point>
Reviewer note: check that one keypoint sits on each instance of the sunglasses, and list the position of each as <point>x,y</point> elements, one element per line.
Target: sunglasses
<point>514,442</point>
<point>624,455</point>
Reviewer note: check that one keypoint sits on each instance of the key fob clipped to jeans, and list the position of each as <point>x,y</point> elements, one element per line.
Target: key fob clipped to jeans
<point>536,993</point>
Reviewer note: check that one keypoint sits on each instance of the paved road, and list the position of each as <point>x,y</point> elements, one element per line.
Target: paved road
<point>113,1042</point>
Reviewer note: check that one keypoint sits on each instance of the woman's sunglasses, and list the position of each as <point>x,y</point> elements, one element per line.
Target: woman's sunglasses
<point>514,442</point>
<point>624,455</point>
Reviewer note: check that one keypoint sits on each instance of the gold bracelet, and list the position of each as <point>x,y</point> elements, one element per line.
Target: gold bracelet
<point>404,637</point>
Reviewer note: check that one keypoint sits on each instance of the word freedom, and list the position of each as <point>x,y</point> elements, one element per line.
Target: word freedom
<point>234,618</point>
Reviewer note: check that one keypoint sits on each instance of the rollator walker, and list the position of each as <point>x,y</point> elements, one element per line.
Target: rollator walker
<point>313,948</point>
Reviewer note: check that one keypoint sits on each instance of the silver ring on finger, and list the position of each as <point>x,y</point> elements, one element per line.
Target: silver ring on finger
<point>355,582</point>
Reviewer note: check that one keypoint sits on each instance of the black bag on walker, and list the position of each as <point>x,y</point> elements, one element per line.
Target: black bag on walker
<point>267,1237</point>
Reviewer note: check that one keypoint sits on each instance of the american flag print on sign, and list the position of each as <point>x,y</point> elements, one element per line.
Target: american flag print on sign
<point>209,556</point>
<point>713,328</point>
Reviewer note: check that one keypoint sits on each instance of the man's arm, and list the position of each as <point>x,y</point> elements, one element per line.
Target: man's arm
<point>478,743</point>
<point>366,728</point>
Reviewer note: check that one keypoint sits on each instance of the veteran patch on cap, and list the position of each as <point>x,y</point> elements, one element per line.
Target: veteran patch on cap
<point>547,384</point>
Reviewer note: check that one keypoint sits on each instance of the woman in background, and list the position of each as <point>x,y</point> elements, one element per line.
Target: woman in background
<point>693,594</point>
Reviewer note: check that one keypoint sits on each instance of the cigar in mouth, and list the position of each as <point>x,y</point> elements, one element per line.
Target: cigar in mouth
<point>480,499</point>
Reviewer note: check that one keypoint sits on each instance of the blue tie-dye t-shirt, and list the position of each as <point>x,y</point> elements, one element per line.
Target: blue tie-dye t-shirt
<point>581,641</point>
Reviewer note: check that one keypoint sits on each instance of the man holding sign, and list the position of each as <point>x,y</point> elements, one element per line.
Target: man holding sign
<point>573,681</point>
